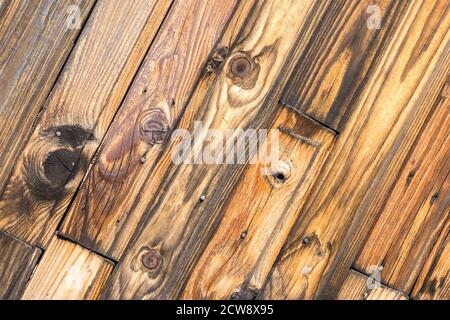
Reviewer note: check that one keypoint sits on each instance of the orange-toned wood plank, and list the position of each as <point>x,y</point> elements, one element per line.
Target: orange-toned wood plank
<point>261,212</point>
<point>358,286</point>
<point>77,115</point>
<point>68,272</point>
<point>417,208</point>
<point>102,216</point>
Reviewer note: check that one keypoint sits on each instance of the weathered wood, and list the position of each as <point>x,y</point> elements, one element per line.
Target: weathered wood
<point>102,216</point>
<point>261,212</point>
<point>403,88</point>
<point>358,286</point>
<point>417,208</point>
<point>34,44</point>
<point>17,262</point>
<point>68,272</point>
<point>433,282</point>
<point>183,207</point>
<point>331,73</point>
<point>77,115</point>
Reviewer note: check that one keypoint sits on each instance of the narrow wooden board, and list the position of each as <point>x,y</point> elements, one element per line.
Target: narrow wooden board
<point>17,262</point>
<point>101,217</point>
<point>417,208</point>
<point>182,202</point>
<point>333,70</point>
<point>358,286</point>
<point>67,271</point>
<point>76,116</point>
<point>261,212</point>
<point>35,41</point>
<point>433,282</point>
<point>397,99</point>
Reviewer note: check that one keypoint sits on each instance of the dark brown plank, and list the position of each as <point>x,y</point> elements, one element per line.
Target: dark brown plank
<point>17,262</point>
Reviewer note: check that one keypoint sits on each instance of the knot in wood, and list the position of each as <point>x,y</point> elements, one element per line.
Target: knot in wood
<point>150,259</point>
<point>155,127</point>
<point>240,67</point>
<point>245,293</point>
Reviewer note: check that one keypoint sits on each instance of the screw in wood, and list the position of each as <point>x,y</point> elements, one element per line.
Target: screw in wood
<point>58,133</point>
<point>150,259</point>
<point>143,159</point>
<point>306,240</point>
<point>244,235</point>
<point>202,197</point>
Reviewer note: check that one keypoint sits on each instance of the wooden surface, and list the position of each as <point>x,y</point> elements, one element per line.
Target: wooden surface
<point>92,204</point>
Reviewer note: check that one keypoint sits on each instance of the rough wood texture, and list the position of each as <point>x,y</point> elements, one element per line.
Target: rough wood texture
<point>102,216</point>
<point>178,225</point>
<point>17,262</point>
<point>358,286</point>
<point>417,209</point>
<point>332,72</point>
<point>434,280</point>
<point>76,116</point>
<point>34,44</point>
<point>261,212</point>
<point>68,272</point>
<point>403,89</point>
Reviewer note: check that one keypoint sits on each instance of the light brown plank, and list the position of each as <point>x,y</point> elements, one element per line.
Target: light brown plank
<point>358,286</point>
<point>101,217</point>
<point>417,208</point>
<point>433,282</point>
<point>34,44</point>
<point>68,272</point>
<point>77,115</point>
<point>177,225</point>
<point>261,212</point>
<point>17,262</point>
<point>356,179</point>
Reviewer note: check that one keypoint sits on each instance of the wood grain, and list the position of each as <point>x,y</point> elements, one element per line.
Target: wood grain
<point>397,99</point>
<point>184,208</point>
<point>17,262</point>
<point>34,44</point>
<point>331,73</point>
<point>101,217</point>
<point>76,116</point>
<point>68,272</point>
<point>433,282</point>
<point>358,286</point>
<point>261,212</point>
<point>417,208</point>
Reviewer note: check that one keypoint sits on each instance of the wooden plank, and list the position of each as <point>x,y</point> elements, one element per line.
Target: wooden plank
<point>433,282</point>
<point>261,212</point>
<point>77,115</point>
<point>417,207</point>
<point>358,286</point>
<point>340,57</point>
<point>68,272</point>
<point>358,176</point>
<point>101,217</point>
<point>35,41</point>
<point>182,202</point>
<point>17,262</point>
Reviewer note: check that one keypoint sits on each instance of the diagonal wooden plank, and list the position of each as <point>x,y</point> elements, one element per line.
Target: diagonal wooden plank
<point>342,54</point>
<point>101,217</point>
<point>35,41</point>
<point>67,271</point>
<point>433,282</point>
<point>417,208</point>
<point>261,212</point>
<point>396,101</point>
<point>77,115</point>
<point>358,286</point>
<point>185,200</point>
<point>17,262</point>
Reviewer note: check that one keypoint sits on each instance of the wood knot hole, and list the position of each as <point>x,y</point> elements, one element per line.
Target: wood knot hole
<point>240,67</point>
